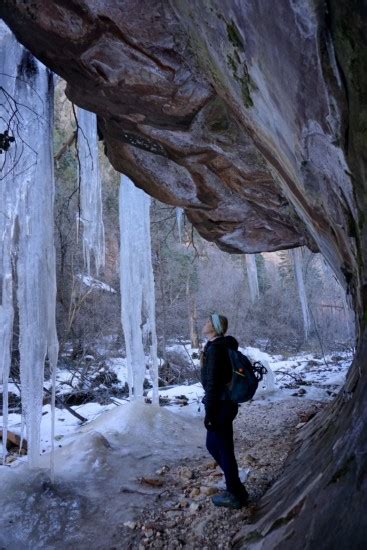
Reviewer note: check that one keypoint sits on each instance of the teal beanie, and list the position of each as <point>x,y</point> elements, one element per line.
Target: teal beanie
<point>216,323</point>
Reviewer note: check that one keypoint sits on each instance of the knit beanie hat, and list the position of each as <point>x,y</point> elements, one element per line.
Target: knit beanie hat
<point>220,323</point>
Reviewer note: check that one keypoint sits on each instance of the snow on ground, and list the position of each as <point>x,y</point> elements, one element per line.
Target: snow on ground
<point>320,381</point>
<point>119,365</point>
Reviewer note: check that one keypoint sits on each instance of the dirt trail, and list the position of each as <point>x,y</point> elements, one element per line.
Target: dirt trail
<point>183,515</point>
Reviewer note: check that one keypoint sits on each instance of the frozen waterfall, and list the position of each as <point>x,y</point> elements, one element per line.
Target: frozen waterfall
<point>297,262</point>
<point>137,287</point>
<point>252,277</point>
<point>27,262</point>
<point>90,190</point>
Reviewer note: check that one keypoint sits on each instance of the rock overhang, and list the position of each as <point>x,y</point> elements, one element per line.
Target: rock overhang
<point>233,112</point>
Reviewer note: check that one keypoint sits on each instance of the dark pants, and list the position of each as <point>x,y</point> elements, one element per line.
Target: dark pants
<point>219,443</point>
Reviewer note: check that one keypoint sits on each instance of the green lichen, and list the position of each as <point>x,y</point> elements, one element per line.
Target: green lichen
<point>234,36</point>
<point>246,95</point>
<point>244,80</point>
<point>233,64</point>
<point>208,62</point>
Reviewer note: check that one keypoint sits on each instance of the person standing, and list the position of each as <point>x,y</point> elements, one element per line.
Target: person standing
<point>220,411</point>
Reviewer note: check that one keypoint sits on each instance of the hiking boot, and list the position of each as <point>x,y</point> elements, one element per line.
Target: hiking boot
<point>228,500</point>
<point>242,495</point>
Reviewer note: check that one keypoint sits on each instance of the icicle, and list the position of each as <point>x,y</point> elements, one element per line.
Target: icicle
<point>252,277</point>
<point>28,230</point>
<point>90,191</point>
<point>137,286</point>
<point>297,262</point>
<point>179,220</point>
<point>10,53</point>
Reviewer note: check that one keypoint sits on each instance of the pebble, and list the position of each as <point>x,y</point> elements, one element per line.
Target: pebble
<point>194,507</point>
<point>185,472</point>
<point>195,491</point>
<point>130,524</point>
<point>162,470</point>
<point>251,459</point>
<point>207,491</point>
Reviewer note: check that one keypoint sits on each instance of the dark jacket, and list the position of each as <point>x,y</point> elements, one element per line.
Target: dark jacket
<point>216,372</point>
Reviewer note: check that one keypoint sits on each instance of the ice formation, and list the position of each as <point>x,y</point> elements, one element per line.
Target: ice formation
<point>137,287</point>
<point>252,277</point>
<point>297,262</point>
<point>90,191</point>
<point>268,383</point>
<point>269,378</point>
<point>179,220</point>
<point>27,261</point>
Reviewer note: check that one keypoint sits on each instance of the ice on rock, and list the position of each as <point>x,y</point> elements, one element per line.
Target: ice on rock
<point>252,277</point>
<point>90,191</point>
<point>26,225</point>
<point>297,262</point>
<point>137,287</point>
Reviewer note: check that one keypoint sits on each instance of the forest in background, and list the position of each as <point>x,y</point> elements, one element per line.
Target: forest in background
<point>192,277</point>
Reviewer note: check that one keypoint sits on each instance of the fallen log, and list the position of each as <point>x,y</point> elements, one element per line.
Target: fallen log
<point>14,439</point>
<point>61,405</point>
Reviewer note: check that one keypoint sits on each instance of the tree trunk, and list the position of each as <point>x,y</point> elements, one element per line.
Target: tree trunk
<point>191,304</point>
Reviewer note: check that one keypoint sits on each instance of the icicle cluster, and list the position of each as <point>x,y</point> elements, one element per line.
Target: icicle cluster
<point>297,262</point>
<point>137,287</point>
<point>27,254</point>
<point>252,277</point>
<point>90,191</point>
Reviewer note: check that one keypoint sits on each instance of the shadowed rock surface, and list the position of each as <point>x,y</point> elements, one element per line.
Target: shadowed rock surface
<point>253,117</point>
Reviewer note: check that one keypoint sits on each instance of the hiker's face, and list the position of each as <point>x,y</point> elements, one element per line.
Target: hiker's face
<point>208,329</point>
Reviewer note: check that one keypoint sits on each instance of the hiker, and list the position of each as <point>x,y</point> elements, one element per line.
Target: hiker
<point>220,411</point>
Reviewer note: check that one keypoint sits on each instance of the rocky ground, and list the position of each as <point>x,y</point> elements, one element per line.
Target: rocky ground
<point>184,516</point>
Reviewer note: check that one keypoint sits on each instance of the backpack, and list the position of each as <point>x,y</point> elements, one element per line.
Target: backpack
<point>245,377</point>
